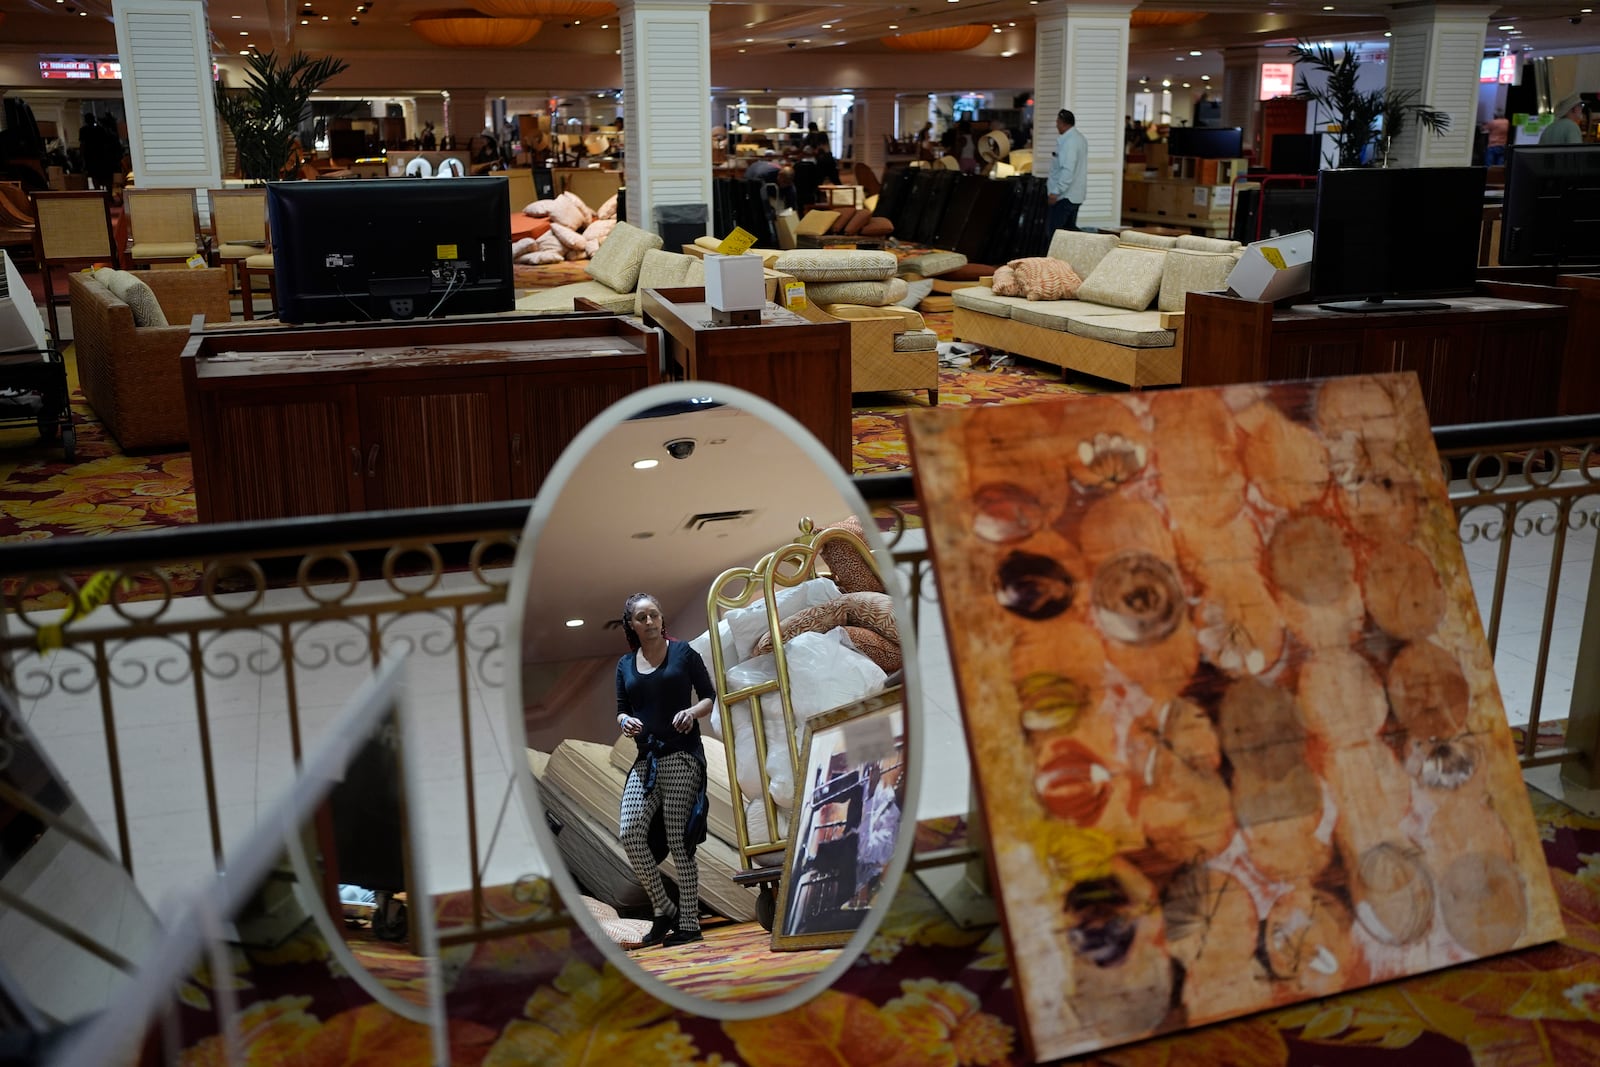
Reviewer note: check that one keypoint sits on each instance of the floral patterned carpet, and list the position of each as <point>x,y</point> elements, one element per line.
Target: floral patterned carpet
<point>927,992</point>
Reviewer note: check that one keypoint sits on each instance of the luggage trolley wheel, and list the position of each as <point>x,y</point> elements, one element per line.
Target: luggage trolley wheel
<point>766,881</point>
<point>69,443</point>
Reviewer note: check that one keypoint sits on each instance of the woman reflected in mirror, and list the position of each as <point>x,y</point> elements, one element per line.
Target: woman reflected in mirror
<point>663,691</point>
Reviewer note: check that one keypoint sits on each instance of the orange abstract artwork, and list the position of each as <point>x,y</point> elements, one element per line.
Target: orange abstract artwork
<point>1232,716</point>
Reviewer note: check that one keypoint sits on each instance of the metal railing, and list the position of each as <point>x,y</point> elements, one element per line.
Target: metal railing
<point>324,595</point>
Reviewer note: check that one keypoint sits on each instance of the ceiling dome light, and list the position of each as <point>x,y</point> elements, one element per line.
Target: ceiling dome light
<point>949,39</point>
<point>574,623</point>
<point>546,9</point>
<point>1195,52</point>
<point>470,29</point>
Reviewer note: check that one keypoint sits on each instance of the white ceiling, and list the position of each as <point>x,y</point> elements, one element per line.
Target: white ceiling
<point>792,32</point>
<point>614,531</point>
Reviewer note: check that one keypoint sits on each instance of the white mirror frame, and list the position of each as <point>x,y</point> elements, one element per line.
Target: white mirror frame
<point>527,559</point>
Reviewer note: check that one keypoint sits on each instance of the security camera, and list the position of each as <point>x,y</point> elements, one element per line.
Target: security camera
<point>681,447</point>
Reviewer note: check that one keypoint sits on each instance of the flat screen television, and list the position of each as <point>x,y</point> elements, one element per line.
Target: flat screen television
<point>394,248</point>
<point>1224,142</point>
<point>1552,206</point>
<point>1296,153</point>
<point>1388,236</point>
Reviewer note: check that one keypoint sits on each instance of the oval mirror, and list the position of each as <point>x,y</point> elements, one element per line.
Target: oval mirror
<point>713,504</point>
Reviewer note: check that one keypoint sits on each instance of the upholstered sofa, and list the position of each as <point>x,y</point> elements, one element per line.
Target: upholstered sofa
<point>129,372</point>
<point>891,348</point>
<point>1127,325</point>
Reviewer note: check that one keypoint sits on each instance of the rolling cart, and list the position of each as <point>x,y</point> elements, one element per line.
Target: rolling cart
<point>33,390</point>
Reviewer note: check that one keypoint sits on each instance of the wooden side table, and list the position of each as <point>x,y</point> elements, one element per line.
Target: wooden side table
<point>801,366</point>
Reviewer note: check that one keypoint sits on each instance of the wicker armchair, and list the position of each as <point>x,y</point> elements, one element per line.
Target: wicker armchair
<point>166,225</point>
<point>130,374</point>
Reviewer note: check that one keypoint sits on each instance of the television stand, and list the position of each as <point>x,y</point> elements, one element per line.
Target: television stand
<point>1370,307</point>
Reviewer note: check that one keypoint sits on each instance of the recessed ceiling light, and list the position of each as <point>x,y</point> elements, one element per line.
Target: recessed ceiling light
<point>1007,55</point>
<point>749,40</point>
<point>894,25</point>
<point>244,52</point>
<point>1205,77</point>
<point>1507,26</point>
<point>1011,24</point>
<point>305,22</point>
<point>1327,7</point>
<point>236,16</point>
<point>1186,85</point>
<point>1194,51</point>
<point>827,25</point>
<point>1180,59</point>
<point>1386,33</point>
<point>805,40</point>
<point>742,51</point>
<point>244,33</point>
<point>325,18</point>
<point>1166,83</point>
<point>997,29</point>
<point>574,623</point>
<point>605,25</point>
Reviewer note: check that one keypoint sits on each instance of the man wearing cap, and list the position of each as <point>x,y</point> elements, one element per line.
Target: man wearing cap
<point>1567,128</point>
<point>1068,183</point>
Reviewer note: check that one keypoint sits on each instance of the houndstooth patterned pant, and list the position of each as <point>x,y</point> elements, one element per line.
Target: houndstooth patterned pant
<point>677,785</point>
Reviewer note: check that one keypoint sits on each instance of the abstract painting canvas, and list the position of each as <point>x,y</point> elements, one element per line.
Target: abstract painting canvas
<point>1233,720</point>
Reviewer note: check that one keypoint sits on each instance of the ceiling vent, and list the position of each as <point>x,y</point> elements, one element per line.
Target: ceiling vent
<point>718,521</point>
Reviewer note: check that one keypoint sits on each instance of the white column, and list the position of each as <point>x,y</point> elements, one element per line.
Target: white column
<point>1435,54</point>
<point>1241,89</point>
<point>874,120</point>
<point>165,50</point>
<point>666,80</point>
<point>1080,62</point>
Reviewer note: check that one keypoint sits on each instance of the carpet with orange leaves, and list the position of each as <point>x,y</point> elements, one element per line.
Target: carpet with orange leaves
<point>925,992</point>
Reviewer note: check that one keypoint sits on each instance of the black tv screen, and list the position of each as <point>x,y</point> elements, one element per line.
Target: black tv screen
<point>394,248</point>
<point>1225,142</point>
<point>1296,153</point>
<point>1552,206</point>
<point>1393,234</point>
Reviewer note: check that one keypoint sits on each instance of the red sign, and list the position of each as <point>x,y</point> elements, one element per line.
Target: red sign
<point>111,70</point>
<point>1277,79</point>
<point>66,68</point>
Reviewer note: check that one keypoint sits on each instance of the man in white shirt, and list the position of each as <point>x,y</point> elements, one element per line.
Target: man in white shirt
<point>1068,183</point>
<point>1568,126</point>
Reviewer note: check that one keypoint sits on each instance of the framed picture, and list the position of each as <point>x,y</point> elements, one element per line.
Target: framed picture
<point>851,793</point>
<point>1233,719</point>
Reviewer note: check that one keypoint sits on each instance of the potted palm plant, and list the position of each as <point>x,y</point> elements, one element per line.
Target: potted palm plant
<point>264,117</point>
<point>1363,117</point>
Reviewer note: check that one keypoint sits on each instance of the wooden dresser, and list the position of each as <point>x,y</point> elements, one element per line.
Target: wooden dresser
<point>321,420</point>
<point>1485,359</point>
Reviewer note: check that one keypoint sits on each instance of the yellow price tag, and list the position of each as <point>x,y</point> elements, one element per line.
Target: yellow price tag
<point>1275,257</point>
<point>93,593</point>
<point>736,243</point>
<point>445,252</point>
<point>196,261</point>
<point>794,294</point>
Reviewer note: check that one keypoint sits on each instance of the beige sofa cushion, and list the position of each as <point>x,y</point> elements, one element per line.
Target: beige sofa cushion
<point>931,264</point>
<point>560,299</point>
<point>910,319</point>
<point>837,265</point>
<point>1195,243</point>
<point>1060,314</point>
<point>1187,272</point>
<point>1082,251</point>
<point>661,269</point>
<point>1148,240</point>
<point>916,341</point>
<point>139,297</point>
<point>616,263</point>
<point>879,293</point>
<point>982,298</point>
<point>1128,277</point>
<point>1139,329</point>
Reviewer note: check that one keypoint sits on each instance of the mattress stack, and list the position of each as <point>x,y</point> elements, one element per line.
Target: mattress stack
<point>581,785</point>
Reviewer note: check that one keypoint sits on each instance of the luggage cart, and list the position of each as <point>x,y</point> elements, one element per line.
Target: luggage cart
<point>33,390</point>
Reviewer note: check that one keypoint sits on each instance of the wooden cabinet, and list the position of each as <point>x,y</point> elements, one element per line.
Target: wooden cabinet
<point>287,422</point>
<point>1485,359</point>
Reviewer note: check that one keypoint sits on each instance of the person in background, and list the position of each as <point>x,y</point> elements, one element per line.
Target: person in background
<point>1568,126</point>
<point>663,691</point>
<point>1068,183</point>
<point>1499,130</point>
<point>429,141</point>
<point>965,146</point>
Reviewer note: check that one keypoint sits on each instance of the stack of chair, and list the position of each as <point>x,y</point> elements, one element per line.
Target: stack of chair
<point>16,217</point>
